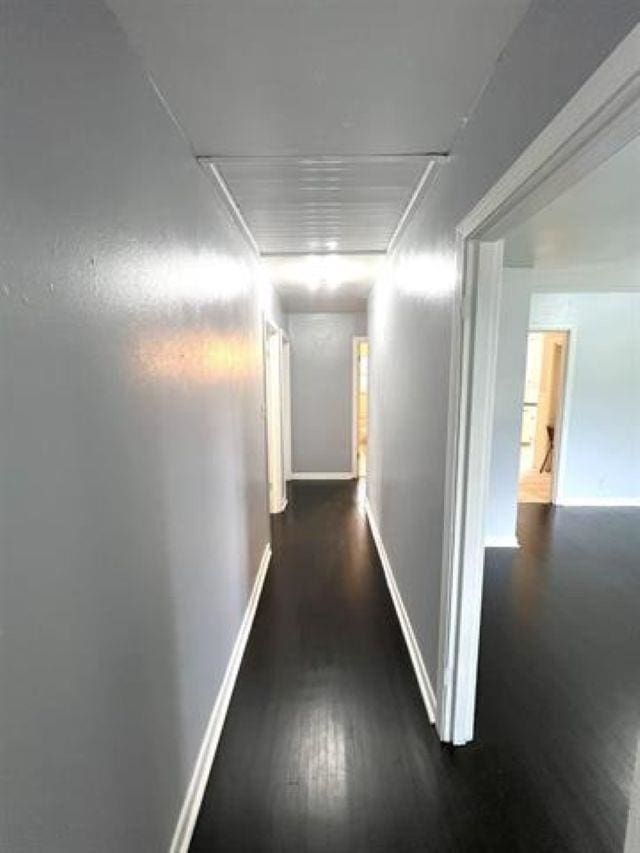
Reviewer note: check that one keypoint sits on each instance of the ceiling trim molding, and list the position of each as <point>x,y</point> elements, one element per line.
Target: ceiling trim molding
<point>211,169</point>
<point>310,159</point>
<point>415,198</point>
<point>213,163</point>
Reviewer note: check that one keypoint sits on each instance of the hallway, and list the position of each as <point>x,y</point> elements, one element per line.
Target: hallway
<point>226,227</point>
<point>327,746</point>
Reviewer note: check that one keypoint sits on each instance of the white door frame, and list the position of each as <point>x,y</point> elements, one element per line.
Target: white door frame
<point>558,467</point>
<point>357,339</point>
<point>286,406</point>
<point>276,483</point>
<point>601,117</point>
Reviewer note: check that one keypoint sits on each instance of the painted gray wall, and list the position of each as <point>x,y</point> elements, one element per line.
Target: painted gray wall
<point>553,51</point>
<point>132,471</point>
<point>321,389</point>
<point>601,303</point>
<point>602,450</point>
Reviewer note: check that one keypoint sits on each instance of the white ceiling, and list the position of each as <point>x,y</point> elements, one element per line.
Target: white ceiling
<point>316,205</point>
<point>596,221</point>
<point>319,76</point>
<point>351,80</point>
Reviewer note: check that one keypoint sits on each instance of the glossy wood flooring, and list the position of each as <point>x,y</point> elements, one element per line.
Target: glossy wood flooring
<point>327,746</point>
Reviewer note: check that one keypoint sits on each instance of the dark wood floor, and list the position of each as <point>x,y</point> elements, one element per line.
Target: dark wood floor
<point>327,747</point>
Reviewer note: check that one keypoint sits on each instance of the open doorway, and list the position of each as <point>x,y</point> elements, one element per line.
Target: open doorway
<point>541,415</point>
<point>274,399</point>
<point>556,230</point>
<point>360,405</point>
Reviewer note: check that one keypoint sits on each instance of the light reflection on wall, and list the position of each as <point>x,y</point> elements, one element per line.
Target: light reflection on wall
<point>198,356</point>
<point>431,276</point>
<point>151,276</point>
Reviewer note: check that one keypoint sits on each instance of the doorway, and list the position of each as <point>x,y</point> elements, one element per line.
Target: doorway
<point>599,121</point>
<point>360,405</point>
<point>541,415</point>
<point>274,399</point>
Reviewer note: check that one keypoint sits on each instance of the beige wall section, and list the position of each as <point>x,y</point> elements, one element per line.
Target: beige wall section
<point>546,363</point>
<point>550,390</point>
<point>362,406</point>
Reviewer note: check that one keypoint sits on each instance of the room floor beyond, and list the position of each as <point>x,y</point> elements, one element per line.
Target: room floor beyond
<point>327,747</point>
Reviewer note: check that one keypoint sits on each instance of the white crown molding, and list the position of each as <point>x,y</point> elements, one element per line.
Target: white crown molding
<point>210,168</point>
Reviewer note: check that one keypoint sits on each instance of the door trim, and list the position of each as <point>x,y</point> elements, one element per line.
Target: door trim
<point>274,431</point>
<point>356,340</point>
<point>598,120</point>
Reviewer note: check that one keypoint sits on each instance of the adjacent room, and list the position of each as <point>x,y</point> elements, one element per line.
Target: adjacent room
<point>562,574</point>
<point>566,427</point>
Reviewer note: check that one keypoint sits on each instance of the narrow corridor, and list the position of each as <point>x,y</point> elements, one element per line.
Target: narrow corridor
<point>327,746</point>
<point>251,253</point>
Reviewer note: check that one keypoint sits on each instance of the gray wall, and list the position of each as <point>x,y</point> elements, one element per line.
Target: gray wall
<point>132,470</point>
<point>272,306</point>
<point>321,389</point>
<point>553,51</point>
<point>601,459</point>
<point>603,415</point>
<point>602,450</point>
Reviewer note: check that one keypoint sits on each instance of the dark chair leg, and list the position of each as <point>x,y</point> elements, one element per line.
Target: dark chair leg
<point>547,457</point>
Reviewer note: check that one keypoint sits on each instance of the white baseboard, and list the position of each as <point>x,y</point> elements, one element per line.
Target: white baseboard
<point>603,502</point>
<point>426,689</point>
<point>323,475</point>
<point>204,761</point>
<point>501,542</point>
<point>281,508</point>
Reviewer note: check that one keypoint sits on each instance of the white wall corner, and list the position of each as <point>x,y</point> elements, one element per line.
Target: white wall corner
<point>195,792</point>
<point>501,542</point>
<point>424,682</point>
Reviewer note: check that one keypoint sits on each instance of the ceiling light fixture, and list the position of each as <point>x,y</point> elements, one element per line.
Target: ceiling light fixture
<point>328,271</point>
